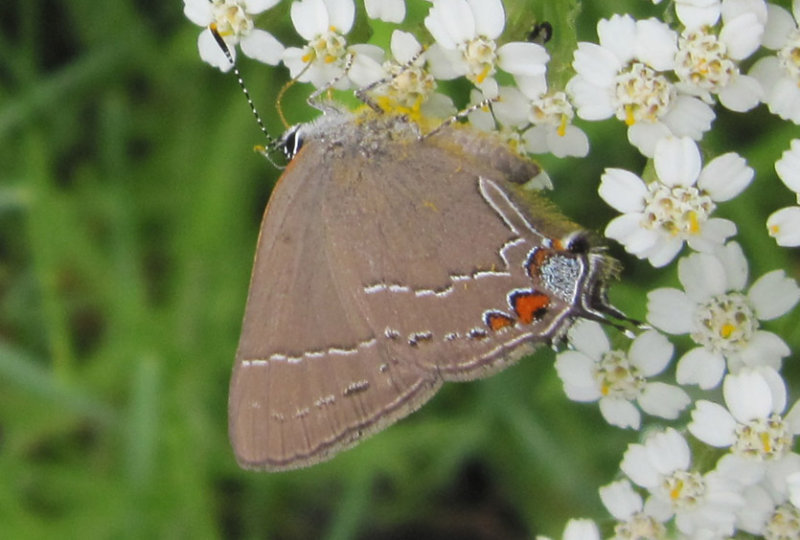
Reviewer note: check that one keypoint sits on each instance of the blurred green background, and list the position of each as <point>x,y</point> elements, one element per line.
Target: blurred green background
<point>130,200</point>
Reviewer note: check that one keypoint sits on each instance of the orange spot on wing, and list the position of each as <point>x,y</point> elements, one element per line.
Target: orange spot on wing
<point>530,306</point>
<point>498,321</point>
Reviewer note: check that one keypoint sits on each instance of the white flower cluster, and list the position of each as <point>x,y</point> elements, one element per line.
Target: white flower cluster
<point>664,81</point>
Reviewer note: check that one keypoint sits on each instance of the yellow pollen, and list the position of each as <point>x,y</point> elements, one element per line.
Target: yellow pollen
<point>694,224</point>
<point>774,229</point>
<point>306,58</point>
<point>329,59</point>
<point>629,118</point>
<point>605,390</point>
<point>483,74</point>
<point>726,330</point>
<point>676,491</point>
<point>562,126</point>
<point>765,442</point>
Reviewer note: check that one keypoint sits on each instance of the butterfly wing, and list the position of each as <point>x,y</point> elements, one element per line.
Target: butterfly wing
<point>376,278</point>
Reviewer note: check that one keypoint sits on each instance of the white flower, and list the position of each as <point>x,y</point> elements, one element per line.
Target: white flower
<point>660,216</point>
<point>707,61</point>
<point>324,23</point>
<point>784,224</point>
<point>465,32</point>
<point>623,77</point>
<point>720,317</point>
<point>578,529</point>
<point>593,371</point>
<point>767,511</point>
<point>234,22</point>
<point>409,84</point>
<point>386,10</point>
<point>698,502</point>
<point>752,426</point>
<point>545,117</point>
<point>627,507</point>
<point>779,75</point>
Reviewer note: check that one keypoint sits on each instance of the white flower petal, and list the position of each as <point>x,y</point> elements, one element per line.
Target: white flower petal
<point>573,142</point>
<point>777,388</point>
<point>393,11</point>
<point>597,65</point>
<point>532,87</point>
<point>788,166</point>
<point>664,252</point>
<point>622,190</point>
<point>445,64</point>
<point>620,412</point>
<point>689,116</point>
<point>646,135</point>
<point>581,529</point>
<point>210,52</point>
<point>725,177</point>
<point>783,99</point>
<point>622,501</point>
<point>764,349</point>
<point>198,11</point>
<point>255,7</point>
<point>589,338</point>
<point>742,94</point>
<point>490,18</point>
<point>784,226</point>
<point>712,424</point>
<point>735,264</point>
<point>341,15</point>
<point>623,227</point>
<point>517,58</point>
<point>735,8</point>
<point>577,369</point>
<point>591,102</point>
<point>742,35</point>
<point>656,44</point>
<point>747,395</point>
<point>701,367</point>
<point>714,233</point>
<point>773,295</point>
<point>677,161</point>
<point>702,276</point>
<point>745,471</point>
<point>780,24</point>
<point>663,400</point>
<point>695,14</point>
<point>364,70</point>
<point>651,353</point>
<point>792,418</point>
<point>262,46</point>
<point>457,18</point>
<point>793,484</point>
<point>649,244</point>
<point>618,36</point>
<point>636,464</point>
<point>310,18</point>
<point>404,46</point>
<point>670,310</point>
<point>778,470</point>
<point>668,451</point>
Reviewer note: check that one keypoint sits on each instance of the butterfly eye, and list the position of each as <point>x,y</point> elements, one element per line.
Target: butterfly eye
<point>578,242</point>
<point>292,141</point>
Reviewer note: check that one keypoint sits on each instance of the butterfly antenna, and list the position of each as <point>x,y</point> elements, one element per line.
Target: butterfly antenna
<point>271,142</point>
